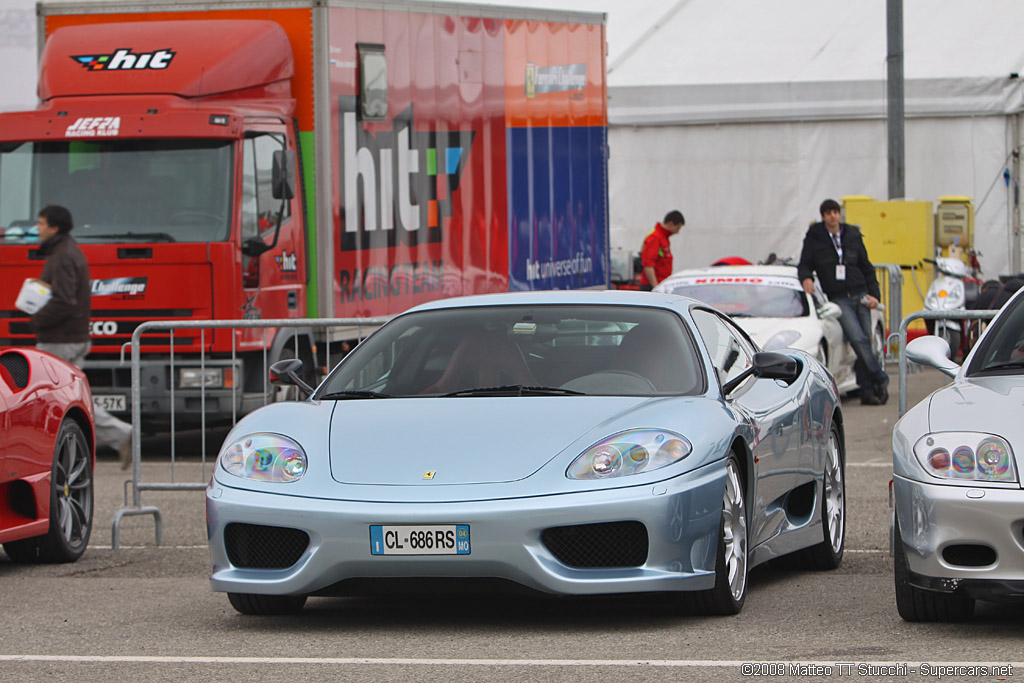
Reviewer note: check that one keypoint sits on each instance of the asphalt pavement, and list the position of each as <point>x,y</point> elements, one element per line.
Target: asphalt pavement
<point>146,612</point>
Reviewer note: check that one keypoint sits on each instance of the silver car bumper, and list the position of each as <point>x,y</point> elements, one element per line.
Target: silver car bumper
<point>957,535</point>
<point>681,517</point>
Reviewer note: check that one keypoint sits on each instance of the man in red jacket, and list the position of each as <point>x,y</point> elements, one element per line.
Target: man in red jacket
<point>656,256</point>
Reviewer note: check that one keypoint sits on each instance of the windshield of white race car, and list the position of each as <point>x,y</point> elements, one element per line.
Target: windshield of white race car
<point>554,350</point>
<point>755,298</point>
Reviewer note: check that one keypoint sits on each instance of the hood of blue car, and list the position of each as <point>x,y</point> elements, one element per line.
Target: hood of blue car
<point>474,440</point>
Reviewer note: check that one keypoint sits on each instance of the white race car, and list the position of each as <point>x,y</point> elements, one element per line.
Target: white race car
<point>769,303</point>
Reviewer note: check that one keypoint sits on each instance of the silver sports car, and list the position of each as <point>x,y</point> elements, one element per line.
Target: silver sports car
<point>958,525</point>
<point>565,442</point>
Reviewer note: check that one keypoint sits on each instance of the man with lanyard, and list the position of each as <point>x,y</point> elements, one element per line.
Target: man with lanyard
<point>655,255</point>
<point>835,251</point>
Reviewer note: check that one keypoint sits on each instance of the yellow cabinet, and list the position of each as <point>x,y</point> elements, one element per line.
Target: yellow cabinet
<point>900,232</point>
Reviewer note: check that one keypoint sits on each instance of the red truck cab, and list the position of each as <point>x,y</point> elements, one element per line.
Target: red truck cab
<point>169,174</point>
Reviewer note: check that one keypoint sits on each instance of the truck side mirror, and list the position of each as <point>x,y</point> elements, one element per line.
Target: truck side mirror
<point>283,174</point>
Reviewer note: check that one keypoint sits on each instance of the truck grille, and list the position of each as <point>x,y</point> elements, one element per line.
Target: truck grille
<point>255,546</point>
<point>606,544</point>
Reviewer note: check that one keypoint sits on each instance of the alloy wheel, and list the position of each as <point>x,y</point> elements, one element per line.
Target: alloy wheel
<point>735,531</point>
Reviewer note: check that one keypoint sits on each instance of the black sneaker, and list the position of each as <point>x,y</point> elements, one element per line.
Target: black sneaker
<point>869,399</point>
<point>882,392</point>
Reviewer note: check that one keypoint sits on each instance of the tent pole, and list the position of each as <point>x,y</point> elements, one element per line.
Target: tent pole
<point>894,91</point>
<point>1014,195</point>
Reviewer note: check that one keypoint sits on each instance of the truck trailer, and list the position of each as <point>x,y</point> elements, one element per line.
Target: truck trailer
<point>299,159</point>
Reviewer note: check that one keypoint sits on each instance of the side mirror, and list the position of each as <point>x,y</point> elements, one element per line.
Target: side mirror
<point>830,311</point>
<point>934,352</point>
<point>254,246</point>
<point>767,365</point>
<point>285,373</point>
<point>770,365</point>
<point>282,179</point>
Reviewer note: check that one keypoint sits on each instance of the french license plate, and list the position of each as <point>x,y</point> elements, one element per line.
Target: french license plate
<point>112,402</point>
<point>425,539</point>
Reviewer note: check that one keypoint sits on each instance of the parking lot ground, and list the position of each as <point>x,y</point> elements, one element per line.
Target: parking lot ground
<point>146,612</point>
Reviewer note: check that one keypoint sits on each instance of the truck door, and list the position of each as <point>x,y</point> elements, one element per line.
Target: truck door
<point>272,281</point>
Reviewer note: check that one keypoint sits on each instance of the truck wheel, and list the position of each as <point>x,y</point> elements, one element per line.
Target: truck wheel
<point>266,605</point>
<point>918,604</point>
<point>71,498</point>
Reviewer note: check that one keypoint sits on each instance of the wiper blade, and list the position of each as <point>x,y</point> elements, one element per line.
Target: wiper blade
<point>140,236</point>
<point>515,390</point>
<point>342,395</point>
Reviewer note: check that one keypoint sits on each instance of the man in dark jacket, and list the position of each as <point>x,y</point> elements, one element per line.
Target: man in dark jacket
<point>64,320</point>
<point>62,325</point>
<point>835,251</point>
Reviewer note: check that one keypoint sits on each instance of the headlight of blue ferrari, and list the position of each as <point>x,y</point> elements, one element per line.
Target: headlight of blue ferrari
<point>966,457</point>
<point>264,457</point>
<point>783,339</point>
<point>631,452</point>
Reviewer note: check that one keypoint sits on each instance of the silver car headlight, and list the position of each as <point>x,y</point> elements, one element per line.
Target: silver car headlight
<point>264,457</point>
<point>631,452</point>
<point>781,340</point>
<point>966,457</point>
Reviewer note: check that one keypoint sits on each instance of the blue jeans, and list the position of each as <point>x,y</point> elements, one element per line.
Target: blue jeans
<point>856,323</point>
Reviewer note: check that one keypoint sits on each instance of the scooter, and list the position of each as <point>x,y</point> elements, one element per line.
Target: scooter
<point>953,288</point>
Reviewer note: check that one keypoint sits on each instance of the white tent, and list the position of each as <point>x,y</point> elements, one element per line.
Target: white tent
<point>18,54</point>
<point>745,114</point>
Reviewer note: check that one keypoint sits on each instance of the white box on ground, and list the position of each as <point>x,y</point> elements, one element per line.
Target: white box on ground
<point>33,295</point>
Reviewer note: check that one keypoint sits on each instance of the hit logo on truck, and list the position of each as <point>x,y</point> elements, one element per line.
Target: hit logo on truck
<point>123,60</point>
<point>397,185</point>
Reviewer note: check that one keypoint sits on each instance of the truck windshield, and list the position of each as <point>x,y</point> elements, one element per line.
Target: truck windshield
<point>123,191</point>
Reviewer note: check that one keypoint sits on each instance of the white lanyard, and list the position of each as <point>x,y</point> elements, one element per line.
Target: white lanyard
<point>838,244</point>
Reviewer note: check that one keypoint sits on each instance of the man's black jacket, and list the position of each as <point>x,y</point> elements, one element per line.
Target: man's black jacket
<point>819,255</point>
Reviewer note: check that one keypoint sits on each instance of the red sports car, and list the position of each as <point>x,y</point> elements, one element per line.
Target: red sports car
<point>47,454</point>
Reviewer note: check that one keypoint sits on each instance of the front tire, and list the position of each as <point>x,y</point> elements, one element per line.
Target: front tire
<point>730,590</point>
<point>828,554</point>
<point>919,604</point>
<point>266,605</point>
<point>71,502</point>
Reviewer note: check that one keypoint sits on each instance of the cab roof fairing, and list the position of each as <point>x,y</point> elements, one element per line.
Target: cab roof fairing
<point>199,59</point>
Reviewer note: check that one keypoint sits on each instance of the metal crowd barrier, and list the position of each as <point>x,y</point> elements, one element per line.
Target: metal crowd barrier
<point>890,282</point>
<point>357,325</point>
<point>956,314</point>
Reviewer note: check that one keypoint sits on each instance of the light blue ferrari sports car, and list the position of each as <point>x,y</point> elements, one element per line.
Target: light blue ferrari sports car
<point>570,443</point>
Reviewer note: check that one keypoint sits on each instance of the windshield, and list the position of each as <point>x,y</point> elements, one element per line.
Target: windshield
<point>522,351</point>
<point>756,298</point>
<point>119,190</point>
<point>1002,349</point>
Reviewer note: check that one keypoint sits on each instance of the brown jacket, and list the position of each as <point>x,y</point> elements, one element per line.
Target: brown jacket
<point>65,317</point>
